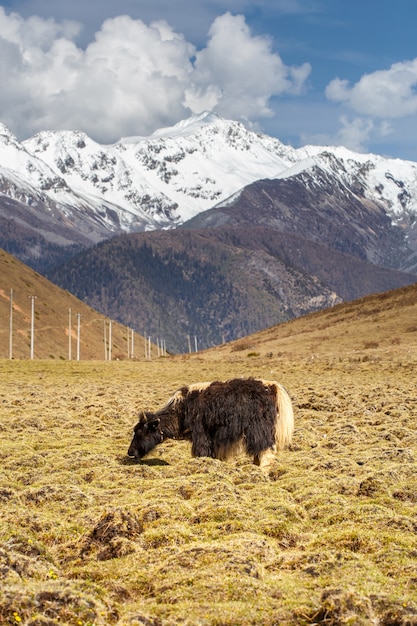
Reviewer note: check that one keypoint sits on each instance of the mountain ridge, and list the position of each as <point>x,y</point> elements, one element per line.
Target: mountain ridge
<point>325,211</point>
<point>145,183</point>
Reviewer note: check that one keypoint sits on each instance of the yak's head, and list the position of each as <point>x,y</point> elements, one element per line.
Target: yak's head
<point>146,435</point>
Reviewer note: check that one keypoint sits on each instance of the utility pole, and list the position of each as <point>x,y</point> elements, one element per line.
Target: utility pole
<point>105,340</point>
<point>32,327</point>
<point>130,343</point>
<point>69,336</point>
<point>11,326</point>
<point>110,340</point>
<point>162,349</point>
<point>78,335</point>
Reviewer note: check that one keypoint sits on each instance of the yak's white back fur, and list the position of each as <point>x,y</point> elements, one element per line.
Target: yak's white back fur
<point>284,426</point>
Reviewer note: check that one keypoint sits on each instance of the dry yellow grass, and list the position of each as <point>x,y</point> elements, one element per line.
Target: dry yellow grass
<point>87,536</point>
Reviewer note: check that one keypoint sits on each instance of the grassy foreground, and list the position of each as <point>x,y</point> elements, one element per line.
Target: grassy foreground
<point>87,536</point>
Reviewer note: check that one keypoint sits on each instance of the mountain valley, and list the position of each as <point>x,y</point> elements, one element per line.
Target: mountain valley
<point>207,229</point>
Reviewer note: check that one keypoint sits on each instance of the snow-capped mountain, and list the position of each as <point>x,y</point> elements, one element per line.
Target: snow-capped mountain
<point>145,183</point>
<point>166,178</point>
<point>392,182</point>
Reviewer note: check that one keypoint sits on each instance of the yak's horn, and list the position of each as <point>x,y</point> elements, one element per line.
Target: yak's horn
<point>142,419</point>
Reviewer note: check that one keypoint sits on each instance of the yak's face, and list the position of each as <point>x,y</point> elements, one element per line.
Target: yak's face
<point>147,434</point>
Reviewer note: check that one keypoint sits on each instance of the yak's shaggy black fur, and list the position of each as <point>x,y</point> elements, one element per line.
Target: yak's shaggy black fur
<point>221,419</point>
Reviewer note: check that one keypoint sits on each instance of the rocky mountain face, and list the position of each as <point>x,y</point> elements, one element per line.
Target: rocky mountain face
<point>315,204</point>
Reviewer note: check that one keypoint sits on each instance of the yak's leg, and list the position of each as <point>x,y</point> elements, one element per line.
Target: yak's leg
<point>201,443</point>
<point>265,458</point>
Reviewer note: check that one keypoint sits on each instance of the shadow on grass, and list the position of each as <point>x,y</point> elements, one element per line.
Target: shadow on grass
<point>128,460</point>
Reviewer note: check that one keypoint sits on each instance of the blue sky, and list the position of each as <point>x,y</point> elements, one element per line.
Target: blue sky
<point>339,72</point>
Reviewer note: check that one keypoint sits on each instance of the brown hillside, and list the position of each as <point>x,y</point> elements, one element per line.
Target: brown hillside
<point>51,319</point>
<point>380,322</point>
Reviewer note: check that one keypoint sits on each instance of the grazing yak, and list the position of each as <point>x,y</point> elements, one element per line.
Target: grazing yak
<point>221,419</point>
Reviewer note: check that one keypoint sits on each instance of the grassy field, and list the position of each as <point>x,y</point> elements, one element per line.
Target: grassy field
<point>88,536</point>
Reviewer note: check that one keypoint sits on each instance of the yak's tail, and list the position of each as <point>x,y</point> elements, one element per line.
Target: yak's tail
<point>284,426</point>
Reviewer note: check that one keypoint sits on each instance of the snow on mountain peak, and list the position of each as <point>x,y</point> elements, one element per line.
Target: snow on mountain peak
<point>177,172</point>
<point>189,126</point>
<point>391,182</point>
<point>6,134</point>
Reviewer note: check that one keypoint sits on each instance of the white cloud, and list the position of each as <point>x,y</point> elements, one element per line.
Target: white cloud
<point>386,93</point>
<point>239,72</point>
<point>134,77</point>
<point>34,32</point>
<point>353,133</point>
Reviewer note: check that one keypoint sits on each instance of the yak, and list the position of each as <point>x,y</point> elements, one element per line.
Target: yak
<point>222,420</point>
